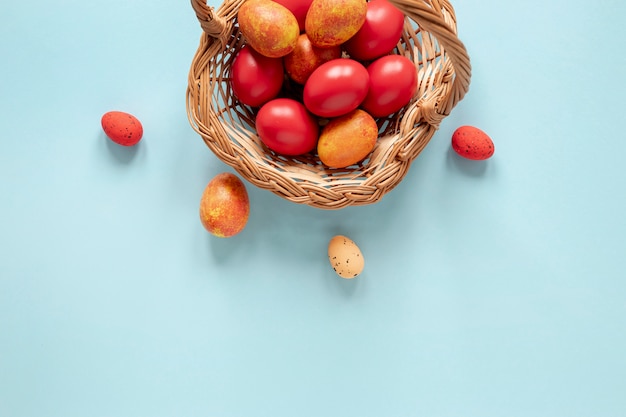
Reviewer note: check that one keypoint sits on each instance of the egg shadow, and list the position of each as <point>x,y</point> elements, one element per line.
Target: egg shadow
<point>122,154</point>
<point>347,287</point>
<point>469,167</point>
<point>225,250</point>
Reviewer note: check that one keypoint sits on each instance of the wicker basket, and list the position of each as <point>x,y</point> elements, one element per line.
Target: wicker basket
<point>227,127</point>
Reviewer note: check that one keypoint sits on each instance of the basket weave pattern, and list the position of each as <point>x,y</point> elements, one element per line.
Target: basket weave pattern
<point>429,39</point>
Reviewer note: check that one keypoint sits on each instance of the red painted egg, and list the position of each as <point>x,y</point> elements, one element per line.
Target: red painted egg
<point>472,143</point>
<point>122,128</point>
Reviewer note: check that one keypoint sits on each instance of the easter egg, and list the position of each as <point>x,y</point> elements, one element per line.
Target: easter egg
<point>285,126</point>
<point>393,82</point>
<point>348,139</point>
<point>345,257</point>
<point>225,206</point>
<point>472,143</point>
<point>333,22</point>
<point>268,27</point>
<point>306,58</point>
<point>336,87</point>
<point>255,78</point>
<point>380,33</point>
<point>122,128</point>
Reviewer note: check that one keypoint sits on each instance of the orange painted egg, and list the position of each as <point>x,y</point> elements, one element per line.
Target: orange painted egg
<point>333,22</point>
<point>348,139</point>
<point>268,27</point>
<point>224,206</point>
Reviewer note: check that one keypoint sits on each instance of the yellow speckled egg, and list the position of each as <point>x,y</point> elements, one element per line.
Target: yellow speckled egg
<point>345,257</point>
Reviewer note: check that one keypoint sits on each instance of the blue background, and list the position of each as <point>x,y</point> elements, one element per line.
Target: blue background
<point>490,289</point>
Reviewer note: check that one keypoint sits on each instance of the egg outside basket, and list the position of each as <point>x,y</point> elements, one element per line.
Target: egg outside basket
<point>429,39</point>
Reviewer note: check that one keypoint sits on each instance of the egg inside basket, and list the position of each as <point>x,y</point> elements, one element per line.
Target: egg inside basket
<point>429,39</point>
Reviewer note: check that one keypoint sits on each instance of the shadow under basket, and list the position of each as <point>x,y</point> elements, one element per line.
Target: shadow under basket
<point>429,39</point>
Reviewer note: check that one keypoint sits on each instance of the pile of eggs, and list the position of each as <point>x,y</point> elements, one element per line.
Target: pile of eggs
<point>318,74</point>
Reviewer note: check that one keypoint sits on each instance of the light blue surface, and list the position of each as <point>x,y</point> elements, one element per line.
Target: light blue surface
<point>490,289</point>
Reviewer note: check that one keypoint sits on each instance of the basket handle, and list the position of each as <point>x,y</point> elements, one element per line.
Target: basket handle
<point>429,15</point>
<point>215,23</point>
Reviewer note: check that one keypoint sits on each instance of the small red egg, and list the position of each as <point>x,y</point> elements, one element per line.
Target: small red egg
<point>122,128</point>
<point>472,143</point>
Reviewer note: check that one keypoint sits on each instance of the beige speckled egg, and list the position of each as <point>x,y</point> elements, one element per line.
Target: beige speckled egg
<point>345,257</point>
